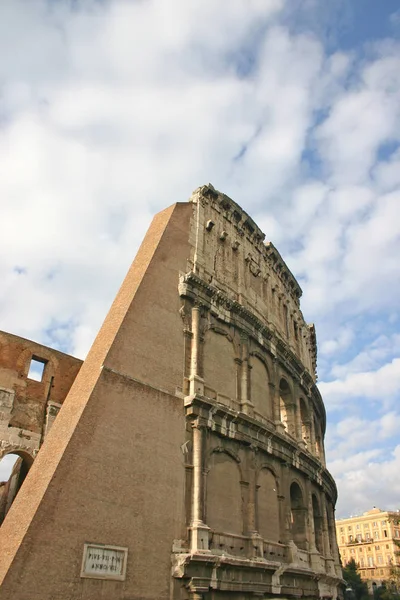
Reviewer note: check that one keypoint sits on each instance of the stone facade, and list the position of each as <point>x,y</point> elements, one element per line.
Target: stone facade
<point>29,406</point>
<point>193,435</point>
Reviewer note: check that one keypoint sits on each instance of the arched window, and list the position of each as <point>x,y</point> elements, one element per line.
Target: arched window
<point>286,407</point>
<point>298,516</point>
<point>268,506</point>
<point>14,468</point>
<point>224,498</point>
<point>305,424</point>
<point>318,440</point>
<point>260,393</point>
<point>317,516</point>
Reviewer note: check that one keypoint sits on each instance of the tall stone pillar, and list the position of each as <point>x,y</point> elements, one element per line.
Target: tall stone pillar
<point>195,381</point>
<point>332,531</point>
<point>329,560</point>
<point>200,531</point>
<point>284,506</point>
<point>257,540</point>
<point>312,431</point>
<point>299,432</point>
<point>247,405</point>
<point>310,520</point>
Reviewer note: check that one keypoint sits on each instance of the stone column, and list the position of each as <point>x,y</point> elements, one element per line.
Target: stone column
<point>311,531</point>
<point>329,561</point>
<point>252,499</point>
<point>247,405</point>
<point>257,540</point>
<point>276,405</point>
<point>200,531</point>
<point>196,382</point>
<point>332,531</point>
<point>312,431</point>
<point>284,506</point>
<point>299,432</point>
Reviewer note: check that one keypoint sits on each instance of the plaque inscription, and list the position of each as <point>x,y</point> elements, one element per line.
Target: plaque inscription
<point>104,562</point>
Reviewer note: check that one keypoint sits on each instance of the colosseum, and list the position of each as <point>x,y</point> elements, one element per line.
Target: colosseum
<point>187,461</point>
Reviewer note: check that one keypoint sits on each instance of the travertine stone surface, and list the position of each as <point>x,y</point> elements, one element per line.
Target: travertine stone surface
<point>192,435</point>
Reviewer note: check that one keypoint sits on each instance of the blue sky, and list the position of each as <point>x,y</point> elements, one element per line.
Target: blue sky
<point>110,111</point>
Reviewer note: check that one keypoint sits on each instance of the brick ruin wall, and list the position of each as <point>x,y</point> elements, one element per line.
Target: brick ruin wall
<point>28,407</point>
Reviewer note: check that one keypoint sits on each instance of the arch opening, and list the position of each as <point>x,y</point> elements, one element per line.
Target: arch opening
<point>260,394</point>
<point>305,424</point>
<point>298,516</point>
<point>317,517</point>
<point>286,408</point>
<point>224,497</point>
<point>14,468</point>
<point>268,506</point>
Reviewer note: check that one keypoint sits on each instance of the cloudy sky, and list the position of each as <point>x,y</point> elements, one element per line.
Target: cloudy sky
<point>112,110</point>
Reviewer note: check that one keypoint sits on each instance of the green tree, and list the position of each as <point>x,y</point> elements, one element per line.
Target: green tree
<point>353,579</point>
<point>394,577</point>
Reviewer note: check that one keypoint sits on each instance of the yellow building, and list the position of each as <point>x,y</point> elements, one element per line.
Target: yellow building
<point>369,539</point>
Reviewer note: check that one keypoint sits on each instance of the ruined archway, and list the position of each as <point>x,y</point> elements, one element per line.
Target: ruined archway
<point>13,476</point>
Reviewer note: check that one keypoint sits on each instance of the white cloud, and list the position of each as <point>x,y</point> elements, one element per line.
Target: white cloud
<point>365,480</point>
<point>372,356</point>
<point>382,385</point>
<point>112,111</point>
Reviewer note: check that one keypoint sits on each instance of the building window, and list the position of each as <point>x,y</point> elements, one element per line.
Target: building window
<point>387,546</point>
<point>383,522</point>
<point>367,536</point>
<point>374,524</point>
<point>376,535</point>
<point>352,551</point>
<point>342,539</point>
<point>361,562</point>
<point>396,533</point>
<point>357,527</point>
<point>385,532</point>
<point>370,561</point>
<point>358,537</point>
<point>341,530</point>
<point>349,528</point>
<point>36,368</point>
<point>380,559</point>
<point>377,547</point>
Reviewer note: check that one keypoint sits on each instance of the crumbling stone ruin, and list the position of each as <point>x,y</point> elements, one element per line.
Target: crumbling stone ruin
<point>29,402</point>
<point>187,461</point>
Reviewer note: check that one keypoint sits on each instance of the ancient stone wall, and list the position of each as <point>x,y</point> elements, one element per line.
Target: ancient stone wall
<point>194,434</point>
<point>34,381</point>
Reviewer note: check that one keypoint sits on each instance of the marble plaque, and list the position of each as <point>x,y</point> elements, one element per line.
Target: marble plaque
<point>104,562</point>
